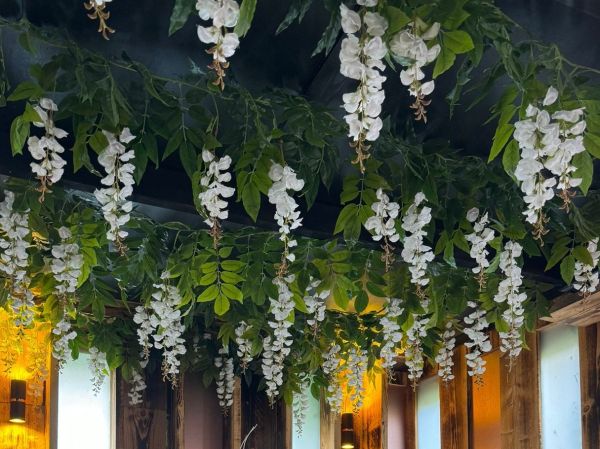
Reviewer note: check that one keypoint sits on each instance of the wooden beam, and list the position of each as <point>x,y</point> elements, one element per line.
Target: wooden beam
<point>589,359</point>
<point>454,411</point>
<point>574,310</point>
<point>519,392</point>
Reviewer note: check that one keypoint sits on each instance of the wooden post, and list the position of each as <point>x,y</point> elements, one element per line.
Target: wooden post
<point>589,359</point>
<point>519,392</point>
<point>236,416</point>
<point>330,427</point>
<point>454,405</point>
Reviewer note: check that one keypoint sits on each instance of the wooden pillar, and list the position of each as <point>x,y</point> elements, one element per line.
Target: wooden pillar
<point>400,414</point>
<point>330,427</point>
<point>519,390</point>
<point>454,405</point>
<point>589,359</point>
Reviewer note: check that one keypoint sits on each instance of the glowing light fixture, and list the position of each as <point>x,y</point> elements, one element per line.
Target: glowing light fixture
<point>347,431</point>
<point>18,394</point>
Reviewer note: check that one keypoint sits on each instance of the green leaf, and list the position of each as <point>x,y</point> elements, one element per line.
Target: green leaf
<point>209,294</point>
<point>247,9</point>
<point>458,41</point>
<point>592,144</point>
<point>251,200</point>
<point>449,254</point>
<point>19,132</point>
<point>330,34</point>
<point>298,10</point>
<point>221,305</point>
<point>232,292</point>
<point>231,277</point>
<point>503,133</point>
<point>567,269</point>
<point>27,90</point>
<point>444,61</point>
<point>397,19</point>
<point>585,170</point>
<point>583,255</point>
<point>510,158</point>
<point>181,12</point>
<point>556,256</point>
<point>346,214</point>
<point>361,302</point>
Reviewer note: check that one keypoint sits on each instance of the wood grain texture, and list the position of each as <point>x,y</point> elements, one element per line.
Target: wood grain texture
<point>146,426</point>
<point>454,411</point>
<point>330,427</point>
<point>368,420</point>
<point>271,427</point>
<point>589,359</point>
<point>404,422</point>
<point>519,392</point>
<point>572,309</point>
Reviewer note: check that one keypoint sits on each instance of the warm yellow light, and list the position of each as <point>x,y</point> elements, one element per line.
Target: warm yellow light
<point>348,446</point>
<point>17,421</point>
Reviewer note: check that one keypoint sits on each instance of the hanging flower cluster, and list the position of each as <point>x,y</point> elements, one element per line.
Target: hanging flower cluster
<point>286,213</point>
<point>481,236</point>
<point>315,304</point>
<point>225,380</point>
<point>244,346</point>
<point>332,369</point>
<point>64,333</point>
<point>15,260</point>
<point>300,406</point>
<point>508,292</point>
<point>66,264</point>
<point>383,225</point>
<point>478,343</point>
<point>224,15</point>
<point>586,276</point>
<point>410,48</point>
<point>137,387</point>
<point>115,159</point>
<point>47,151</point>
<point>98,368</point>
<point>356,369</point>
<point>162,321</point>
<point>415,252</point>
<point>444,356</point>
<point>391,334</point>
<point>212,197</point>
<point>98,12</point>
<point>414,348</point>
<point>277,346</point>
<point>548,144</point>
<point>361,59</point>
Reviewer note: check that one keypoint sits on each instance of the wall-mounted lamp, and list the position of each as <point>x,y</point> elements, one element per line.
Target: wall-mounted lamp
<point>18,395</point>
<point>347,431</point>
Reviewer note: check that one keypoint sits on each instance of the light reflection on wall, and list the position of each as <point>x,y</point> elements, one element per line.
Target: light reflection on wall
<point>25,353</point>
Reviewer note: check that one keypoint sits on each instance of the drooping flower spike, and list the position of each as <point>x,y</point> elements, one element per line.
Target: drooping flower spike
<point>97,11</point>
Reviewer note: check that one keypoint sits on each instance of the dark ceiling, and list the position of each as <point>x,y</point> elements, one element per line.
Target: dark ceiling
<point>266,60</point>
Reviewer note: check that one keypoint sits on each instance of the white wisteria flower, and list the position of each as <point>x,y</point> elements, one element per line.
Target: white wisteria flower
<point>391,334</point>
<point>414,348</point>
<point>361,59</point>
<point>244,345</point>
<point>98,368</point>
<point>63,334</point>
<point>300,406</point>
<point>356,369</point>
<point>479,239</point>
<point>162,320</point>
<point>548,142</point>
<point>137,386</point>
<point>116,208</point>
<point>277,346</point>
<point>226,379</point>
<point>478,343</point>
<point>383,225</point>
<point>214,191</point>
<point>315,304</point>
<point>331,368</point>
<point>415,252</point>
<point>14,227</point>
<point>224,15</point>
<point>444,356</point>
<point>586,276</point>
<point>409,47</point>
<point>286,213</point>
<point>46,151</point>
<point>508,292</point>
<point>66,265</point>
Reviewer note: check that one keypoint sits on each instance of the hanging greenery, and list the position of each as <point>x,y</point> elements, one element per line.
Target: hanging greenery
<point>293,310</point>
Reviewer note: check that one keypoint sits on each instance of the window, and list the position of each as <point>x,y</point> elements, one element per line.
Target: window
<point>310,438</point>
<point>428,414</point>
<point>560,388</point>
<point>82,415</point>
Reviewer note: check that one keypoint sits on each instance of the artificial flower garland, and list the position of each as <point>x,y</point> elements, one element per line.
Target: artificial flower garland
<point>479,239</point>
<point>586,276</point>
<point>225,380</point>
<point>383,225</point>
<point>445,354</point>
<point>478,342</point>
<point>391,334</point>
<point>316,305</point>
<point>244,345</point>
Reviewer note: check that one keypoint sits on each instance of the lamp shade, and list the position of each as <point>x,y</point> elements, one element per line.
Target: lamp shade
<point>18,394</point>
<point>347,431</point>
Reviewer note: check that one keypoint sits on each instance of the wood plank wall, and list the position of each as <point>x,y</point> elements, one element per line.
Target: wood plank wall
<point>454,403</point>
<point>589,359</point>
